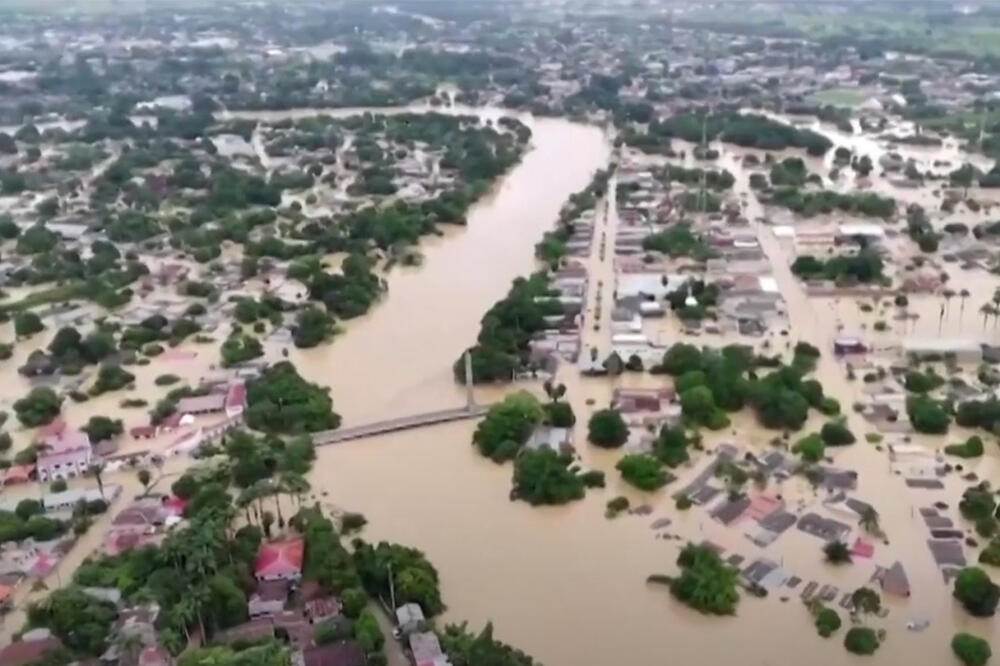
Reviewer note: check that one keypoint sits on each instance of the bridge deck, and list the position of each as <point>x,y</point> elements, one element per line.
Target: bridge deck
<point>395,425</point>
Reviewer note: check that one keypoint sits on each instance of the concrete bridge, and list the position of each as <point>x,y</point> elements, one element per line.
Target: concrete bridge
<point>395,425</point>
<point>469,411</point>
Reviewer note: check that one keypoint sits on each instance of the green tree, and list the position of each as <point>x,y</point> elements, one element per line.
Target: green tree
<point>507,426</point>
<point>101,428</point>
<point>811,448</point>
<point>836,433</point>
<point>971,650</point>
<point>40,407</point>
<point>643,471</point>
<point>544,476</point>
<point>368,633</point>
<point>27,324</point>
<point>681,358</point>
<point>866,600</point>
<point>977,593</point>
<point>706,583</point>
<point>837,552</point>
<point>927,415</point>
<point>313,327</point>
<point>281,401</point>
<point>827,622</point>
<point>607,429</point>
<point>861,640</point>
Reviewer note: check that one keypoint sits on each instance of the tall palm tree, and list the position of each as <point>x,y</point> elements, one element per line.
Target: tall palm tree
<point>986,310</point>
<point>295,485</point>
<point>948,295</point>
<point>97,469</point>
<point>963,294</point>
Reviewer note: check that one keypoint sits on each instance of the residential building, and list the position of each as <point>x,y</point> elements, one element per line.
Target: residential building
<point>280,560</point>
<point>269,598</point>
<point>65,454</point>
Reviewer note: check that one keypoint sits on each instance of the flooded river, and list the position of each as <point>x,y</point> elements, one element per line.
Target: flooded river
<point>565,584</point>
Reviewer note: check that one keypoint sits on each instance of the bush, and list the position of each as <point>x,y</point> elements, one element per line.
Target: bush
<point>166,380</point>
<point>811,448</point>
<point>861,640</point>
<point>58,486</point>
<point>971,650</point>
<point>971,448</point>
<point>559,414</point>
<point>607,429</point>
<point>616,506</point>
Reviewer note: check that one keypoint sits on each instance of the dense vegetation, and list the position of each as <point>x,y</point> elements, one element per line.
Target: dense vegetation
<point>713,382</point>
<point>706,583</point>
<point>281,401</point>
<point>748,130</point>
<point>502,347</point>
<point>865,267</point>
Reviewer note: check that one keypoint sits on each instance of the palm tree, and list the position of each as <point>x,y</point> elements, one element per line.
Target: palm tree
<point>144,478</point>
<point>963,294</point>
<point>986,310</point>
<point>245,500</point>
<point>837,552</point>
<point>97,469</point>
<point>948,295</point>
<point>554,391</point>
<point>295,485</point>
<point>869,521</point>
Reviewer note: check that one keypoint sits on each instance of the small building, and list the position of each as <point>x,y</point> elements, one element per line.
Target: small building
<point>31,648</point>
<point>410,618</point>
<point>895,581</point>
<point>280,560</point>
<point>426,649</point>
<point>345,653</point>
<point>212,403</point>
<point>322,609</point>
<point>269,598</point>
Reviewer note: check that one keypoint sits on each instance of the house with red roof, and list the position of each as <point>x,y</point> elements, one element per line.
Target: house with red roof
<point>280,560</point>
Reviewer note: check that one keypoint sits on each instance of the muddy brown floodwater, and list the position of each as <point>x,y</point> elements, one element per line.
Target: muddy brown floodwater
<point>565,584</point>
